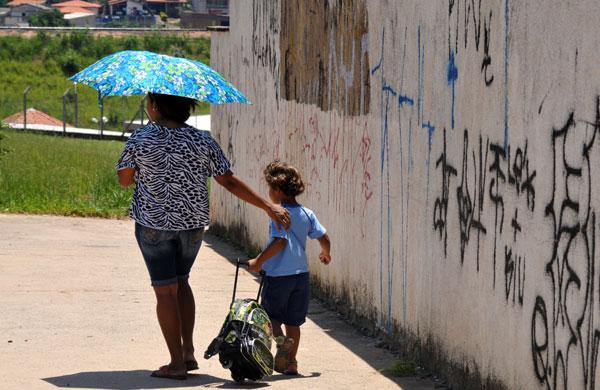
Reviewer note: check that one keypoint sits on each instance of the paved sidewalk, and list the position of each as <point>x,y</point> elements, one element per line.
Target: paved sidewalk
<point>77,311</point>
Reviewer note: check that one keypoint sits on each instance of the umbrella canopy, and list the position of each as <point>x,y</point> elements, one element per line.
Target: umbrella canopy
<point>139,72</point>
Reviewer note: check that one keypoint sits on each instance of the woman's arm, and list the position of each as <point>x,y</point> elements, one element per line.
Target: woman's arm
<point>240,189</point>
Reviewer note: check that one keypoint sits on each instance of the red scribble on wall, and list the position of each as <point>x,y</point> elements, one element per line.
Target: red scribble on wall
<point>325,148</point>
<point>263,148</point>
<point>365,157</point>
<point>345,157</point>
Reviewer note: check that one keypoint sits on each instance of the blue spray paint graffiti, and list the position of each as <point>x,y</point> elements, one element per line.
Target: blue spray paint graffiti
<point>452,76</point>
<point>391,96</point>
<point>386,91</point>
<point>420,60</point>
<point>405,232</point>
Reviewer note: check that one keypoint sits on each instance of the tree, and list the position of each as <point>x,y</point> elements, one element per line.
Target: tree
<point>48,19</point>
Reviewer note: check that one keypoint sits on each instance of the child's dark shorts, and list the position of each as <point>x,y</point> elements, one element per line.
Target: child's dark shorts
<point>285,298</point>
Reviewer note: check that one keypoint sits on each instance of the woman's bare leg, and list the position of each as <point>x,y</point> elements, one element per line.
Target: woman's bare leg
<point>187,311</point>
<point>167,311</point>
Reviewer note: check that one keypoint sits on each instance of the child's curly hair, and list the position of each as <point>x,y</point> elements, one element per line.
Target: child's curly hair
<point>284,177</point>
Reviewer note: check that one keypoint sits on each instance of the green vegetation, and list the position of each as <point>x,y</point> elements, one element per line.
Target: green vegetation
<point>3,149</point>
<point>49,174</point>
<point>46,61</point>
<point>48,19</point>
<point>401,368</point>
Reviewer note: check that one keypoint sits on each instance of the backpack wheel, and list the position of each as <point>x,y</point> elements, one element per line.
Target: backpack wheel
<point>237,377</point>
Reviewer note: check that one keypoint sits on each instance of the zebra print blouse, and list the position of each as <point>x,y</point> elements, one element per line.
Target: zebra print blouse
<point>172,166</point>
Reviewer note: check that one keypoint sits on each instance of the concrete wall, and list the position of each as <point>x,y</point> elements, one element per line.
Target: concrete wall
<point>452,150</point>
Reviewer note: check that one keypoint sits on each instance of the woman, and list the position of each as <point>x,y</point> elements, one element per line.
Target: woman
<point>169,162</point>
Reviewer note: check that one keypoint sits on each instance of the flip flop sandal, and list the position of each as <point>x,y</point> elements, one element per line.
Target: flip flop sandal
<point>191,365</point>
<point>291,372</point>
<point>165,372</point>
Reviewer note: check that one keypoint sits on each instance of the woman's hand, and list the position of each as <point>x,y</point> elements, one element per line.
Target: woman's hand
<point>126,177</point>
<point>240,189</point>
<point>280,215</point>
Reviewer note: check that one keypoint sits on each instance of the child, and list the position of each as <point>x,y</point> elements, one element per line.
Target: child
<point>286,290</point>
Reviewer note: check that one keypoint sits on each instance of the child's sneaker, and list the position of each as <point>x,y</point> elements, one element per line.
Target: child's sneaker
<point>283,347</point>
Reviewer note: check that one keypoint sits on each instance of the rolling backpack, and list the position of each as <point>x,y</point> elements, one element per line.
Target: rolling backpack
<point>244,342</point>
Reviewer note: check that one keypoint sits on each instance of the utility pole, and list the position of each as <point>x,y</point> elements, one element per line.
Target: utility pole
<point>76,107</point>
<point>142,113</point>
<point>25,107</point>
<point>101,117</point>
<point>64,101</point>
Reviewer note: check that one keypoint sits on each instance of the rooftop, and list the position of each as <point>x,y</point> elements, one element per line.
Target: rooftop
<point>16,3</point>
<point>77,15</point>
<point>76,3</point>
<point>113,2</point>
<point>75,10</point>
<point>34,117</point>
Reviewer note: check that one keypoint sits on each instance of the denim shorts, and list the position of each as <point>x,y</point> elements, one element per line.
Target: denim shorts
<point>285,298</point>
<point>169,254</point>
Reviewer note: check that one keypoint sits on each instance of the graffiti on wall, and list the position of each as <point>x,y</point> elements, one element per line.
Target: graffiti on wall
<point>565,324</point>
<point>469,22</point>
<point>396,106</point>
<point>487,174</point>
<point>485,190</point>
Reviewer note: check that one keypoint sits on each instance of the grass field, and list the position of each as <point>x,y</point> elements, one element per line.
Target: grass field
<point>46,174</point>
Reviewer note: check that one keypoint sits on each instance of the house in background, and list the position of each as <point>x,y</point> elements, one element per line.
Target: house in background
<point>19,14</point>
<point>81,19</point>
<point>135,12</point>
<point>145,7</point>
<point>3,14</point>
<point>206,13</point>
<point>77,6</point>
<point>124,7</point>
<point>171,7</point>
<point>34,117</point>
<point>15,3</point>
<point>212,7</point>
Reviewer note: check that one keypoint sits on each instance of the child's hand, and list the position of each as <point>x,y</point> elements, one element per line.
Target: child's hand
<point>325,257</point>
<point>253,266</point>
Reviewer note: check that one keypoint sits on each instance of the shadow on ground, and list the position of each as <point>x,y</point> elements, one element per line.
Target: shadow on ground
<point>141,379</point>
<point>127,380</point>
<point>276,377</point>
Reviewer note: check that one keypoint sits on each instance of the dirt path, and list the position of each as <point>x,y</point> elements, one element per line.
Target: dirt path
<point>78,312</point>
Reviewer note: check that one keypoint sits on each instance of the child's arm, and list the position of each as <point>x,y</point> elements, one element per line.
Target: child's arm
<point>276,246</point>
<point>325,255</point>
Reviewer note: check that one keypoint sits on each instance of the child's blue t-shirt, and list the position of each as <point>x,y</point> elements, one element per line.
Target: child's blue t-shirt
<point>292,259</point>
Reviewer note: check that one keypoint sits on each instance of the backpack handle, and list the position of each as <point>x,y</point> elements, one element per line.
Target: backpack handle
<point>244,263</point>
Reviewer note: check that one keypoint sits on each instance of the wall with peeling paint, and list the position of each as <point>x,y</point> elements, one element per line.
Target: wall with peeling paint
<point>451,148</point>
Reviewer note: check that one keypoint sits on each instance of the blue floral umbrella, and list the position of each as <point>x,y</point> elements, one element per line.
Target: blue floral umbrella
<point>139,72</point>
